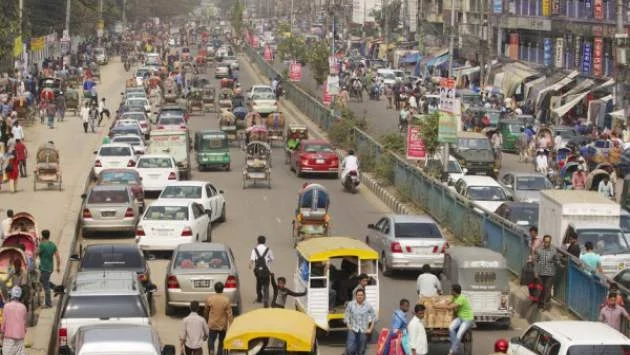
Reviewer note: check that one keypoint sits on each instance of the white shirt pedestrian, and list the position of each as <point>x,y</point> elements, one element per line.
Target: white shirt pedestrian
<point>85,114</point>
<point>606,189</point>
<point>428,285</point>
<point>417,337</point>
<point>349,164</point>
<point>18,132</point>
<point>542,165</point>
<point>261,251</point>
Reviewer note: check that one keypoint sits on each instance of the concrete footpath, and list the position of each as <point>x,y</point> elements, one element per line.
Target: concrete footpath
<point>58,210</point>
<point>519,295</point>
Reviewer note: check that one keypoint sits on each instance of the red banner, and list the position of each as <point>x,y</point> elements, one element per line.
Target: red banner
<point>598,57</point>
<point>415,146</point>
<point>295,71</point>
<point>513,46</point>
<point>268,54</point>
<point>598,9</point>
<point>326,97</point>
<point>255,42</point>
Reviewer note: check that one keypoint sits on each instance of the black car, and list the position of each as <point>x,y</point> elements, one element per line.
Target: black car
<point>124,130</point>
<point>523,214</point>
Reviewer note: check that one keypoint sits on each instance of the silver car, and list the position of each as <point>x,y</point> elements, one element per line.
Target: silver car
<point>109,208</point>
<point>194,269</point>
<point>407,242</point>
<point>118,339</point>
<point>525,187</point>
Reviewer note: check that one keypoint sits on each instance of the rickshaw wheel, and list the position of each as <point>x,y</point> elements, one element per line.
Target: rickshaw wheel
<point>35,183</point>
<point>269,182</point>
<point>384,269</point>
<point>467,343</point>
<point>228,167</point>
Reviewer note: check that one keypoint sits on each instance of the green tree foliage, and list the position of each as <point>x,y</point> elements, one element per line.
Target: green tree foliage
<point>237,17</point>
<point>318,60</point>
<point>391,12</point>
<point>429,131</point>
<point>292,47</point>
<point>283,27</point>
<point>9,19</point>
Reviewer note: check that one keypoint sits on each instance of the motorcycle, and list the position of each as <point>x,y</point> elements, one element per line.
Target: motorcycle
<point>351,181</point>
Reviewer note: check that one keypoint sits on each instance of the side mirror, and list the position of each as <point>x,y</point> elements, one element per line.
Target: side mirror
<point>75,257</point>
<point>96,152</point>
<point>515,340</point>
<point>168,350</point>
<point>83,196</point>
<point>64,350</point>
<point>371,226</point>
<point>59,289</point>
<point>221,191</point>
<point>209,212</point>
<point>509,186</point>
<point>122,93</point>
<point>465,171</point>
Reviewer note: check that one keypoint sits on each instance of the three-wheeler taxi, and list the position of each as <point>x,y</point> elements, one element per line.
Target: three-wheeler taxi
<point>271,331</point>
<point>328,269</point>
<point>212,149</point>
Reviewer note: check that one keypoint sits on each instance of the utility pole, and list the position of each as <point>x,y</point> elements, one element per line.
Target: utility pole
<point>124,14</point>
<point>68,2</point>
<point>451,43</point>
<point>420,28</point>
<point>101,28</point>
<point>385,14</point>
<point>621,39</point>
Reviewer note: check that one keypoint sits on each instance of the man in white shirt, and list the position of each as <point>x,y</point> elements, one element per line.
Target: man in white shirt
<point>557,142</point>
<point>260,261</point>
<point>350,163</point>
<point>18,132</point>
<point>6,224</point>
<point>194,332</point>
<point>417,334</point>
<point>428,285</point>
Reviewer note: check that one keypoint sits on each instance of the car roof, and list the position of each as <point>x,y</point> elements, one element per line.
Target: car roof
<point>189,183</point>
<point>105,281</point>
<point>109,187</point>
<point>119,170</point>
<point>110,338</point>
<point>111,247</point>
<point>171,202</point>
<point>413,218</point>
<point>154,156</point>
<point>127,136</point>
<point>479,180</point>
<point>315,141</point>
<point>583,332</point>
<point>202,247</point>
<point>116,145</point>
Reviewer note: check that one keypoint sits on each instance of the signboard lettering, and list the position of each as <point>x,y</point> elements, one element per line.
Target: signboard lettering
<point>598,56</point>
<point>415,146</point>
<point>547,52</point>
<point>586,57</point>
<point>559,56</point>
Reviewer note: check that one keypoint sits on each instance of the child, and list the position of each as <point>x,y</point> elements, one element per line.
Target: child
<point>281,292</point>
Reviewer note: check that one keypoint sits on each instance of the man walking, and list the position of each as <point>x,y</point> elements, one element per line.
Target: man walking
<point>545,270</point>
<point>85,116</point>
<point>194,332</point>
<point>417,334</point>
<point>219,311</point>
<point>359,317</point>
<point>464,317</point>
<point>6,223</point>
<point>14,324</point>
<point>612,313</point>
<point>21,155</point>
<point>260,261</point>
<point>47,249</point>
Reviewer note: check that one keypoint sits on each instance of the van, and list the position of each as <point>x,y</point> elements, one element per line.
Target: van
<point>176,143</point>
<point>119,340</point>
<point>570,337</point>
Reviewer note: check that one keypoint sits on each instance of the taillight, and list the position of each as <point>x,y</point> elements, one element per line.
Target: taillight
<point>63,336</point>
<point>140,232</point>
<point>98,164</point>
<point>231,282</point>
<point>143,125</point>
<point>129,213</point>
<point>171,282</point>
<point>87,213</point>
<point>352,173</point>
<point>444,247</point>
<point>182,126</point>
<point>172,176</point>
<point>160,127</point>
<point>187,232</point>
<point>142,277</point>
<point>131,163</point>
<point>395,247</point>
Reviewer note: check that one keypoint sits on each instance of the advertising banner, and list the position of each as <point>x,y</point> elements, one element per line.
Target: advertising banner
<point>546,7</point>
<point>598,10</point>
<point>38,43</point>
<point>17,46</point>
<point>513,46</point>
<point>598,57</point>
<point>268,54</point>
<point>559,53</point>
<point>295,71</point>
<point>415,146</point>
<point>547,52</point>
<point>447,96</point>
<point>587,52</point>
<point>447,129</point>
<point>412,6</point>
<point>497,6</point>
<point>577,52</point>
<point>326,97</point>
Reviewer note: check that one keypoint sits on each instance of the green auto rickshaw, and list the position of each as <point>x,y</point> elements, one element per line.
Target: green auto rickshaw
<point>511,130</point>
<point>212,149</point>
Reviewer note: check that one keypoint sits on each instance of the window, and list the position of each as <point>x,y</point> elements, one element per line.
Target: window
<point>155,163</point>
<point>473,143</point>
<point>171,120</point>
<point>486,193</point>
<point>167,213</point>
<point>198,210</point>
<point>202,260</point>
<point>118,178</point>
<point>128,306</point>
<point>108,196</point>
<point>530,339</point>
<point>386,227</point>
<point>485,278</point>
<point>533,183</point>
<point>210,191</point>
<point>318,148</point>
<point>186,192</point>
<point>417,230</point>
<point>111,259</point>
<point>115,151</point>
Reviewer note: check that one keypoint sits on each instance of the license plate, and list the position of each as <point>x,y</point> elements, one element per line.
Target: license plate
<point>257,175</point>
<point>228,128</point>
<point>320,161</point>
<point>162,233</point>
<point>108,213</point>
<point>154,176</point>
<point>202,283</point>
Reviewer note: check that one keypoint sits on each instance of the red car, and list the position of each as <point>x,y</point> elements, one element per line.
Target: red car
<point>123,177</point>
<point>315,157</point>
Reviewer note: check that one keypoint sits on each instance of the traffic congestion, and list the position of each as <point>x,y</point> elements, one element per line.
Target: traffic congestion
<point>215,218</point>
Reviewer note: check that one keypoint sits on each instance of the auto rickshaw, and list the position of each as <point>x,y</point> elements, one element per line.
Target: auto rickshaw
<point>73,101</point>
<point>271,331</point>
<point>510,130</point>
<point>209,98</point>
<point>295,134</point>
<point>595,177</point>
<point>326,268</point>
<point>484,277</point>
<point>311,215</point>
<point>212,149</point>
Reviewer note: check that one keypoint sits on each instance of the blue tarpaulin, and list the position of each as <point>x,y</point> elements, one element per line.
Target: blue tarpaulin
<point>410,58</point>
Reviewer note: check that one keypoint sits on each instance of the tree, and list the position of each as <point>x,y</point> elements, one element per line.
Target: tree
<point>9,29</point>
<point>292,47</point>
<point>391,12</point>
<point>237,17</point>
<point>429,125</point>
<point>318,60</point>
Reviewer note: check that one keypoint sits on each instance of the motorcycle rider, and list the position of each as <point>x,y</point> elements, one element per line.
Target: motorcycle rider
<point>350,163</point>
<point>500,347</point>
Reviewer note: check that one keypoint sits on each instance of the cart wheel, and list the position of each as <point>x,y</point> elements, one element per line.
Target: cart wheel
<point>269,182</point>
<point>467,343</point>
<point>244,182</point>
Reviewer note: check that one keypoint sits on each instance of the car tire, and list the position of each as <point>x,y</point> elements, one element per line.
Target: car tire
<point>384,268</point>
<point>168,309</point>
<point>222,218</point>
<point>209,233</point>
<point>298,172</point>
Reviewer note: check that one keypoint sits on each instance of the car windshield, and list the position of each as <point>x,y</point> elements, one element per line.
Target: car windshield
<point>167,213</point>
<point>133,116</point>
<point>318,148</point>
<point>135,103</point>
<point>187,192</point>
<point>121,130</point>
<point>141,73</point>
<point>605,241</point>
<point>532,183</point>
<point>131,140</point>
<point>155,163</point>
<point>263,96</point>
<point>453,167</point>
<point>515,128</point>
<point>525,216</point>
<point>389,76</point>
<point>119,178</point>
<point>473,143</point>
<point>213,142</point>
<point>599,349</point>
<point>262,89</point>
<point>126,122</point>
<point>202,260</point>
<point>486,193</point>
<point>105,307</point>
<point>99,51</point>
<point>108,196</point>
<point>111,259</point>
<point>625,223</point>
<point>417,230</point>
<point>114,151</point>
<point>171,120</point>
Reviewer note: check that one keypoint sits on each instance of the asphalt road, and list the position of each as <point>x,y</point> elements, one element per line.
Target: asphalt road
<point>253,212</point>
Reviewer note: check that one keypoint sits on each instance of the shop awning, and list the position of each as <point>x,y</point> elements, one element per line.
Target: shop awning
<point>620,114</point>
<point>555,87</point>
<point>530,85</point>
<point>570,103</point>
<point>582,86</point>
<point>410,58</point>
<point>515,73</point>
<point>608,83</point>
<point>437,61</point>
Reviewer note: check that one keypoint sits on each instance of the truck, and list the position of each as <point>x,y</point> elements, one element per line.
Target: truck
<point>474,154</point>
<point>177,143</point>
<point>590,217</point>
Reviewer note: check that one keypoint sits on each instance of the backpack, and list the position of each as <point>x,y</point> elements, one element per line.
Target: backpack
<point>260,264</point>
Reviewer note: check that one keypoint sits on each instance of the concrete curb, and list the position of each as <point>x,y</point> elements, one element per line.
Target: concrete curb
<point>385,196</point>
<point>523,306</point>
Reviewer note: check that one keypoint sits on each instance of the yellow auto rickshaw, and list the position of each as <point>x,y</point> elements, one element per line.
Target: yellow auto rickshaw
<point>328,269</point>
<point>271,331</point>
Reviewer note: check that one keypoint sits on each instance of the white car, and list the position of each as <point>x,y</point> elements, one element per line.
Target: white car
<point>197,191</point>
<point>136,142</point>
<point>259,89</point>
<point>485,193</point>
<point>167,224</point>
<point>156,171</point>
<point>171,122</point>
<point>265,102</point>
<point>141,73</point>
<point>128,122</point>
<point>139,102</point>
<point>114,156</point>
<point>142,119</point>
<point>231,61</point>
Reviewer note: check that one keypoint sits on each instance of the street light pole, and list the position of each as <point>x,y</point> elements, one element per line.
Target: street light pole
<point>124,14</point>
<point>68,2</point>
<point>100,22</point>
<point>451,43</point>
<point>292,19</point>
